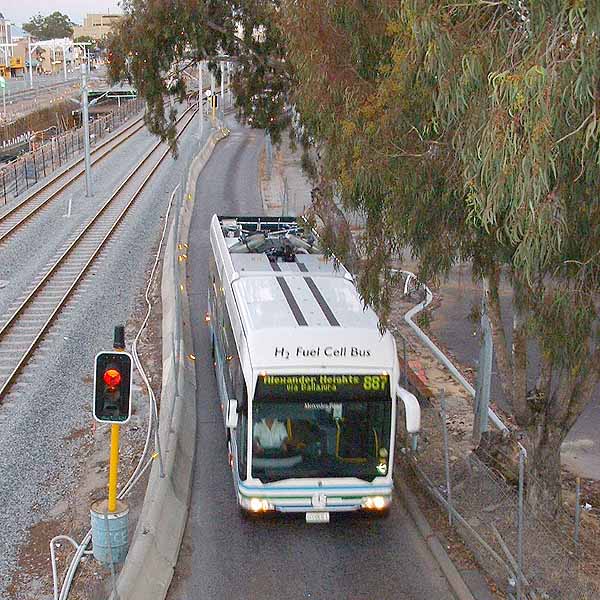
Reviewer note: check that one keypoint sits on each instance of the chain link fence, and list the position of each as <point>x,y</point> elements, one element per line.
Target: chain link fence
<point>480,490</point>
<point>17,176</point>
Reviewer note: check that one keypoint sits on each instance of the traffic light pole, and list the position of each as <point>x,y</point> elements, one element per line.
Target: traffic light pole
<point>111,404</point>
<point>113,471</point>
<point>115,429</point>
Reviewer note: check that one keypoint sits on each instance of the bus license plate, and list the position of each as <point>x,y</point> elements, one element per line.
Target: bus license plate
<point>317,517</point>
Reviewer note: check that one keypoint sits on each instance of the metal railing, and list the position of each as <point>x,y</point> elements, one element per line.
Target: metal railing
<point>528,553</point>
<point>17,176</point>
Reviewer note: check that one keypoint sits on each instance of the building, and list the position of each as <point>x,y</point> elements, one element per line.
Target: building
<point>53,53</point>
<point>96,26</point>
<point>20,57</point>
<point>6,42</point>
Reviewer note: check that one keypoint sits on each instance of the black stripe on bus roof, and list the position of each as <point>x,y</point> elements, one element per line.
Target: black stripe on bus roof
<point>285,288</point>
<point>312,286</point>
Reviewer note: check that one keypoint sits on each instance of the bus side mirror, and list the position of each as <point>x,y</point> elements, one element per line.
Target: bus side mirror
<point>412,411</point>
<point>232,414</point>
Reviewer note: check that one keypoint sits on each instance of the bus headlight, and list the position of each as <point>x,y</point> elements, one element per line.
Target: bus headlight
<point>376,502</point>
<point>258,505</point>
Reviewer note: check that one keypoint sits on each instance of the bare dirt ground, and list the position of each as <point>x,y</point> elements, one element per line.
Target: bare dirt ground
<point>459,417</point>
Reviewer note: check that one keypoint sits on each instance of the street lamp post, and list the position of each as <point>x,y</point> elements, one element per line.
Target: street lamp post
<point>200,99</point>
<point>64,50</point>
<point>86,131</point>
<point>30,68</point>
<point>222,90</point>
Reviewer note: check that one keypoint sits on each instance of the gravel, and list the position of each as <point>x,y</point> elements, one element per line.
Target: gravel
<point>28,254</point>
<point>53,398</point>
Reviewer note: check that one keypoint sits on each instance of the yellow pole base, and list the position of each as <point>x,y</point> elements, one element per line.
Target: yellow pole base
<point>113,469</point>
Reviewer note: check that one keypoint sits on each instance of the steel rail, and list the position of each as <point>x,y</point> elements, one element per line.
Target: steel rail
<point>34,203</point>
<point>82,263</point>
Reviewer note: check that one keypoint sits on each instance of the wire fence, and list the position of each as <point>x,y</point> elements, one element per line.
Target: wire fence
<point>17,176</point>
<point>485,495</point>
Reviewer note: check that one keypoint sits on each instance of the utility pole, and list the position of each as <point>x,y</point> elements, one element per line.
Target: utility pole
<point>200,99</point>
<point>30,67</point>
<point>212,96</point>
<point>86,131</point>
<point>222,90</point>
<point>64,49</point>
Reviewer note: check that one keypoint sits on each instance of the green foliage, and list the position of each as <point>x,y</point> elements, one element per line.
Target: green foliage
<point>55,25</point>
<point>157,41</point>
<point>461,131</point>
<point>469,131</point>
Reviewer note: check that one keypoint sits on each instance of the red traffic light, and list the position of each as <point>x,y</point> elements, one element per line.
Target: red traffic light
<point>112,378</point>
<point>112,387</point>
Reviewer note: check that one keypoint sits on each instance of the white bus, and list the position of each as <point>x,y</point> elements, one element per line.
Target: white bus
<point>307,382</point>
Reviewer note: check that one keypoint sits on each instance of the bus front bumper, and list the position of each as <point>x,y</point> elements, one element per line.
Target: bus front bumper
<point>257,505</point>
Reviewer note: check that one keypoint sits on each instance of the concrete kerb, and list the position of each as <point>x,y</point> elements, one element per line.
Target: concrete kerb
<point>152,557</point>
<point>453,577</point>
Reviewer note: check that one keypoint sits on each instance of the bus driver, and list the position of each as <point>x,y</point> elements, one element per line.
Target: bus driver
<point>270,434</point>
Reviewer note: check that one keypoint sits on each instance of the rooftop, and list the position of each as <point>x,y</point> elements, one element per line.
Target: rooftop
<point>296,305</point>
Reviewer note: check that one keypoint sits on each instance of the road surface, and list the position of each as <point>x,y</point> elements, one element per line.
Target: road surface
<point>227,557</point>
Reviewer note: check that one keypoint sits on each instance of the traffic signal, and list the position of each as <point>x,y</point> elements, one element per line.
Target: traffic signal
<point>112,387</point>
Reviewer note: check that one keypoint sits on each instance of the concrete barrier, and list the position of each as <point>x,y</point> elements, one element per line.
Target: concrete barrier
<point>152,557</point>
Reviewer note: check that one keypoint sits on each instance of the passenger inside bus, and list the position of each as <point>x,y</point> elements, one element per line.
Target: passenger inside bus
<point>270,434</point>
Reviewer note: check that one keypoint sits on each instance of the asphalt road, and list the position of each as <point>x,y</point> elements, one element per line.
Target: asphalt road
<point>227,557</point>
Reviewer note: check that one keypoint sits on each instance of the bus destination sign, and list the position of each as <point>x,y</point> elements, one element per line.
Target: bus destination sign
<point>338,387</point>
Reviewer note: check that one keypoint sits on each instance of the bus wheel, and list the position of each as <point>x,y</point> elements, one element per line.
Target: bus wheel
<point>246,514</point>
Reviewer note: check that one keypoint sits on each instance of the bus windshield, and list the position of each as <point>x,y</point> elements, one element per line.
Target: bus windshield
<point>321,426</point>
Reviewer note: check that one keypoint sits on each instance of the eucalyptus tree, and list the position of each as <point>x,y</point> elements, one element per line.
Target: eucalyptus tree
<point>159,40</point>
<point>462,131</point>
<point>470,131</point>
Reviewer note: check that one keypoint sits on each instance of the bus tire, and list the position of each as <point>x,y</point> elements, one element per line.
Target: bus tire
<point>246,514</point>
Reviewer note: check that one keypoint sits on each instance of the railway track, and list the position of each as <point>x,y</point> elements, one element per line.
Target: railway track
<point>22,211</point>
<point>25,328</point>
